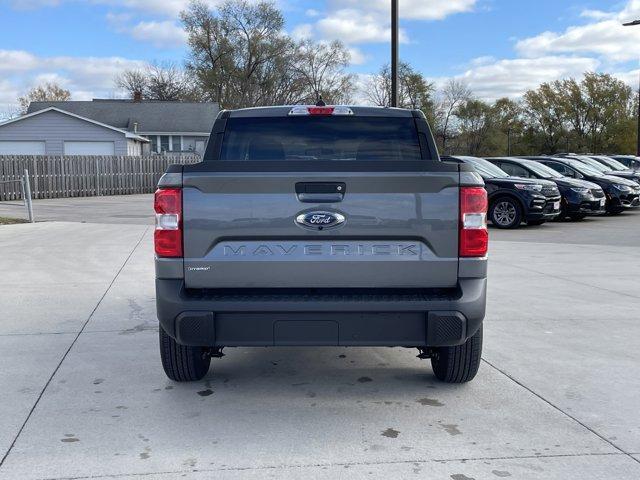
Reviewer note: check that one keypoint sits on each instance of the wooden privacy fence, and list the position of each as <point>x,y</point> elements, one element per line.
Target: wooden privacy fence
<point>84,176</point>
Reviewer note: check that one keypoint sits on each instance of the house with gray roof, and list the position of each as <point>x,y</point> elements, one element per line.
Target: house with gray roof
<point>109,127</point>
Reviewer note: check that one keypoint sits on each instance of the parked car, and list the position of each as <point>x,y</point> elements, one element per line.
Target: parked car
<point>630,161</point>
<point>619,192</point>
<point>358,235</point>
<point>513,200</point>
<point>596,163</point>
<point>579,197</point>
<point>617,168</point>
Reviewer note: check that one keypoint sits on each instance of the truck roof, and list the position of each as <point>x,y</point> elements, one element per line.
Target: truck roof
<point>283,111</point>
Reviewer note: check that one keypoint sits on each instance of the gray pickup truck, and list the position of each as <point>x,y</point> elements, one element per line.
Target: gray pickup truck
<point>321,225</point>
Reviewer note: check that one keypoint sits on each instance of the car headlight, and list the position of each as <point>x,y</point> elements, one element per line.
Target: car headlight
<point>530,187</point>
<point>581,190</point>
<point>622,188</point>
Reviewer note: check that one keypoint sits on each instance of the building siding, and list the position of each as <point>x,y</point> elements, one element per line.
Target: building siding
<point>54,128</point>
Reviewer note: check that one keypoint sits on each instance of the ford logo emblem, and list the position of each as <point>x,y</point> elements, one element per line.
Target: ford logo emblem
<point>320,220</point>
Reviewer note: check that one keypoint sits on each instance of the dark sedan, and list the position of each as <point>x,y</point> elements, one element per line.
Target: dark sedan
<point>513,200</point>
<point>620,192</point>
<point>579,197</point>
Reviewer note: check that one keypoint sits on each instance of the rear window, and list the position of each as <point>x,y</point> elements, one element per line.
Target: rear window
<point>321,138</point>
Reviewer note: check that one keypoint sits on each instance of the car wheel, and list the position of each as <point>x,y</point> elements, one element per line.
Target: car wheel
<point>182,363</point>
<point>534,223</point>
<point>577,217</point>
<point>458,364</point>
<point>615,210</point>
<point>506,213</point>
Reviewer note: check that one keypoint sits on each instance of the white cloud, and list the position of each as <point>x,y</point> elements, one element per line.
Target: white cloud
<point>85,77</point>
<point>357,57</point>
<point>512,77</point>
<point>160,34</point>
<point>354,26</point>
<point>303,31</point>
<point>605,37</point>
<point>411,9</point>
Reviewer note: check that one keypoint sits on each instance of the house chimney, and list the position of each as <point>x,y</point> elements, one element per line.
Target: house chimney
<point>135,127</point>
<point>137,96</point>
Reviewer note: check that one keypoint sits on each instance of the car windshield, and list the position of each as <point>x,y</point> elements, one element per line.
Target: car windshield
<point>594,164</point>
<point>583,168</point>
<point>340,138</point>
<point>542,170</point>
<point>613,163</point>
<point>485,168</point>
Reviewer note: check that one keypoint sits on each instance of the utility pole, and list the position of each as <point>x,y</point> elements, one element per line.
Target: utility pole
<point>633,24</point>
<point>395,25</point>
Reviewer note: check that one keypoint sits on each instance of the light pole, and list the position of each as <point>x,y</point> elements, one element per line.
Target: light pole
<point>394,53</point>
<point>633,24</point>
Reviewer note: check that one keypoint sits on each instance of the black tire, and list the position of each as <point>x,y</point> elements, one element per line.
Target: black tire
<point>615,210</point>
<point>458,364</point>
<point>534,223</point>
<point>576,217</point>
<point>180,362</point>
<point>498,215</point>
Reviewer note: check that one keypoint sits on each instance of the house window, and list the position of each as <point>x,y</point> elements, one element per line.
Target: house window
<point>154,143</point>
<point>189,144</point>
<point>164,143</point>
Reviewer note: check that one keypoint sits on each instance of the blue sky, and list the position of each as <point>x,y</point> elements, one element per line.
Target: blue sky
<point>498,47</point>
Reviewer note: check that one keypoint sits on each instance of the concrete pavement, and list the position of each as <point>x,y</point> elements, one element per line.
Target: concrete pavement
<point>83,394</point>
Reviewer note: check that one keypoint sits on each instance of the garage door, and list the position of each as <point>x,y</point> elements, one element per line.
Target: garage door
<point>89,148</point>
<point>21,148</point>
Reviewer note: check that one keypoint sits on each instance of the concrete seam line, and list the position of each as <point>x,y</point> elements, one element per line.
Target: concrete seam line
<point>559,277</point>
<point>339,464</point>
<point>602,437</point>
<point>46,385</point>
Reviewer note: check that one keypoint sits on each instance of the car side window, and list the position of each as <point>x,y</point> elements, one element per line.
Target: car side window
<point>516,170</point>
<point>560,168</point>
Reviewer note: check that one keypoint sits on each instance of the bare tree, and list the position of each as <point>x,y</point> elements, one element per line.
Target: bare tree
<point>47,92</point>
<point>158,82</point>
<point>453,95</point>
<point>415,91</point>
<point>320,67</point>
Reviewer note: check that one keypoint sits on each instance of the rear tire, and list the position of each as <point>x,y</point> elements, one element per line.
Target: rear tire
<point>182,363</point>
<point>458,364</point>
<point>505,212</point>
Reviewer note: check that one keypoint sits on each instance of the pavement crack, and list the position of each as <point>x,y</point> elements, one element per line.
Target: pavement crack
<point>66,353</point>
<point>421,461</point>
<point>568,415</point>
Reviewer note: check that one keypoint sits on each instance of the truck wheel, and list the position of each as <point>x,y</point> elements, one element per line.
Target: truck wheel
<point>458,364</point>
<point>180,362</point>
<point>505,212</point>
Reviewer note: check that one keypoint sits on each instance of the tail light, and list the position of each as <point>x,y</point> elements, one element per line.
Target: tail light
<point>302,110</point>
<point>474,237</point>
<point>168,235</point>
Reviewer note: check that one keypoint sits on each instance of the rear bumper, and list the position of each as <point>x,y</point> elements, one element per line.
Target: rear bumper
<point>413,319</point>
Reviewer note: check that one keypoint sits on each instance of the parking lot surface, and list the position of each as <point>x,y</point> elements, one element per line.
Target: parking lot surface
<point>84,395</point>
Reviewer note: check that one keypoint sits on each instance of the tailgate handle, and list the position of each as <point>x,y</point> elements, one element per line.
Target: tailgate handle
<point>315,192</point>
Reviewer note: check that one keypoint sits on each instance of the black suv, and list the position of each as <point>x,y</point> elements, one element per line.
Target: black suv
<point>620,192</point>
<point>630,161</point>
<point>597,164</point>
<point>513,200</point>
<point>616,168</point>
<point>579,197</point>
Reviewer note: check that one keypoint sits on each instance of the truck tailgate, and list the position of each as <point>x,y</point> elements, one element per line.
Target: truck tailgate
<point>400,230</point>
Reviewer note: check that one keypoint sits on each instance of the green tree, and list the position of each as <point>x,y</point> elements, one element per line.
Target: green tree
<point>544,113</point>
